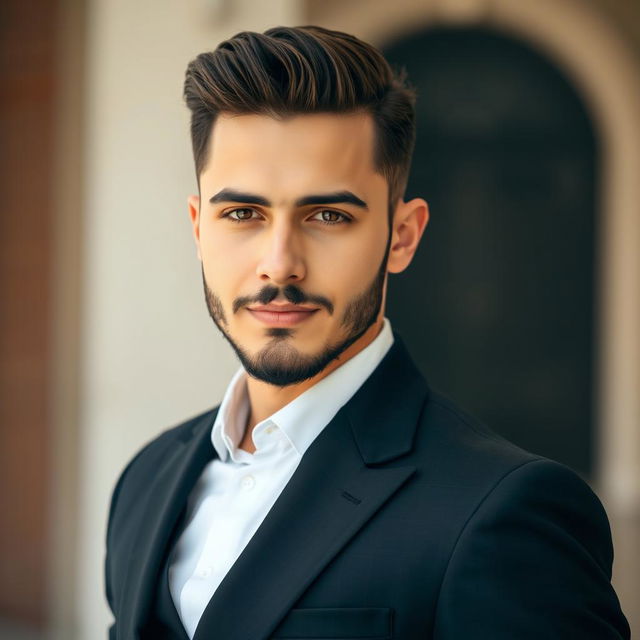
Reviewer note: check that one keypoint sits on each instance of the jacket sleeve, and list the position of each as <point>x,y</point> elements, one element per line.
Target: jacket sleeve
<point>109,592</point>
<point>533,561</point>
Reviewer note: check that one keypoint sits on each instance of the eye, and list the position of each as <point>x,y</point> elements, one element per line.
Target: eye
<point>242,214</point>
<point>331,217</point>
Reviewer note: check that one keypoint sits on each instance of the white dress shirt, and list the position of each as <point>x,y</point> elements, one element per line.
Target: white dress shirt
<point>236,490</point>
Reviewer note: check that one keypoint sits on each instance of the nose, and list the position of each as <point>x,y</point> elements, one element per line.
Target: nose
<point>281,260</point>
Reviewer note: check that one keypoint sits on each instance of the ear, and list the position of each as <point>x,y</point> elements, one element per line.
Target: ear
<point>409,223</point>
<point>194,215</point>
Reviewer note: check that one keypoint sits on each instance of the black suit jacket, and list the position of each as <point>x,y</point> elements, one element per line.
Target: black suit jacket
<point>406,518</point>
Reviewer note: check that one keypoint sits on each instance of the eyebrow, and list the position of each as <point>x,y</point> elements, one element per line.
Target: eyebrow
<point>335,197</point>
<point>230,195</point>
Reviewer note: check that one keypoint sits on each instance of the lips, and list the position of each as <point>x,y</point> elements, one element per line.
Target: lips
<point>281,308</point>
<point>281,315</point>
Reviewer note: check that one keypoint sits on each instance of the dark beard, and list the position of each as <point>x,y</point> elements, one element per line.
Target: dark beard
<point>280,364</point>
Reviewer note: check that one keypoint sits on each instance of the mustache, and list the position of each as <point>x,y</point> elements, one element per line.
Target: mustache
<point>293,294</point>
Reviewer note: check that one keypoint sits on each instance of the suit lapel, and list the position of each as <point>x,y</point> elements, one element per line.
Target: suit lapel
<point>168,497</point>
<point>331,495</point>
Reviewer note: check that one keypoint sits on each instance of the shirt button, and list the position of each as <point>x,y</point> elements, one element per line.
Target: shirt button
<point>206,572</point>
<point>248,482</point>
<point>269,430</point>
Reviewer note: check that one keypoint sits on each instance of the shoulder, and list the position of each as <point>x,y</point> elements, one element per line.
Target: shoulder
<point>460,449</point>
<point>156,448</point>
<point>140,467</point>
<point>133,484</point>
<point>539,535</point>
<point>493,476</point>
<point>526,530</point>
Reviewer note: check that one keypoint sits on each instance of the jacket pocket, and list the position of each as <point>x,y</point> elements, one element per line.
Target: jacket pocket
<point>344,623</point>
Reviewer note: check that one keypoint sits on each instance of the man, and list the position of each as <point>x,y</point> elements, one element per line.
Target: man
<point>332,494</point>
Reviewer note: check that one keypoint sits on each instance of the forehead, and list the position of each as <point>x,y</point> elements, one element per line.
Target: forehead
<point>293,154</point>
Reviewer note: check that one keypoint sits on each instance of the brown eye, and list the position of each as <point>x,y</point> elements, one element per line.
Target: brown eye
<point>240,215</point>
<point>330,217</point>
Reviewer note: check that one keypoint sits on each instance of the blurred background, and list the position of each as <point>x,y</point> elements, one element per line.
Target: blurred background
<point>523,302</point>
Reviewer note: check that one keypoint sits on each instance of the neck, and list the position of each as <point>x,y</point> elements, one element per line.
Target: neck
<point>265,399</point>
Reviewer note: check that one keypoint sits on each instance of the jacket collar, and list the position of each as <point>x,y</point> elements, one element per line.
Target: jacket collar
<point>384,412</point>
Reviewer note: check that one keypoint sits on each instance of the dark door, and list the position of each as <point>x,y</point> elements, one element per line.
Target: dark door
<point>498,304</point>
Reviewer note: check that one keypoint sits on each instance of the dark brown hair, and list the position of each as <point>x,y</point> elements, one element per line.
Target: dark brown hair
<point>295,70</point>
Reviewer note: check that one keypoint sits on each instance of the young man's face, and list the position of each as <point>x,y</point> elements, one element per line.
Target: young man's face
<point>292,212</point>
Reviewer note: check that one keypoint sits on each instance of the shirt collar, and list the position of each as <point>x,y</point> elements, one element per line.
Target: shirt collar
<point>304,417</point>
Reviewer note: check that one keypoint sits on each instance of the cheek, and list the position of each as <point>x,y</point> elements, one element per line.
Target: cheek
<point>349,267</point>
<point>214,245</point>
<point>225,262</point>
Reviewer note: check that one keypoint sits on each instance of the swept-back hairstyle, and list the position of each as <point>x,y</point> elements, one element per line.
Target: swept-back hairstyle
<point>296,70</point>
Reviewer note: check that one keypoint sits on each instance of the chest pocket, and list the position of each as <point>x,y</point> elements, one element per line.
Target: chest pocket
<point>342,623</point>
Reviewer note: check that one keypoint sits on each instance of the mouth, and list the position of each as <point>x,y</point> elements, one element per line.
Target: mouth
<point>283,316</point>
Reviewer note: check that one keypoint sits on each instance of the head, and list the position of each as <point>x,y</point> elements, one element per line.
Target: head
<point>302,140</point>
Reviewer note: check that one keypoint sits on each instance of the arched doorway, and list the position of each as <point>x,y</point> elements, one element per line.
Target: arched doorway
<point>498,305</point>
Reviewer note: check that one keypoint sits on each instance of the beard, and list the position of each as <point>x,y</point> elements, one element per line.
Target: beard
<point>279,363</point>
